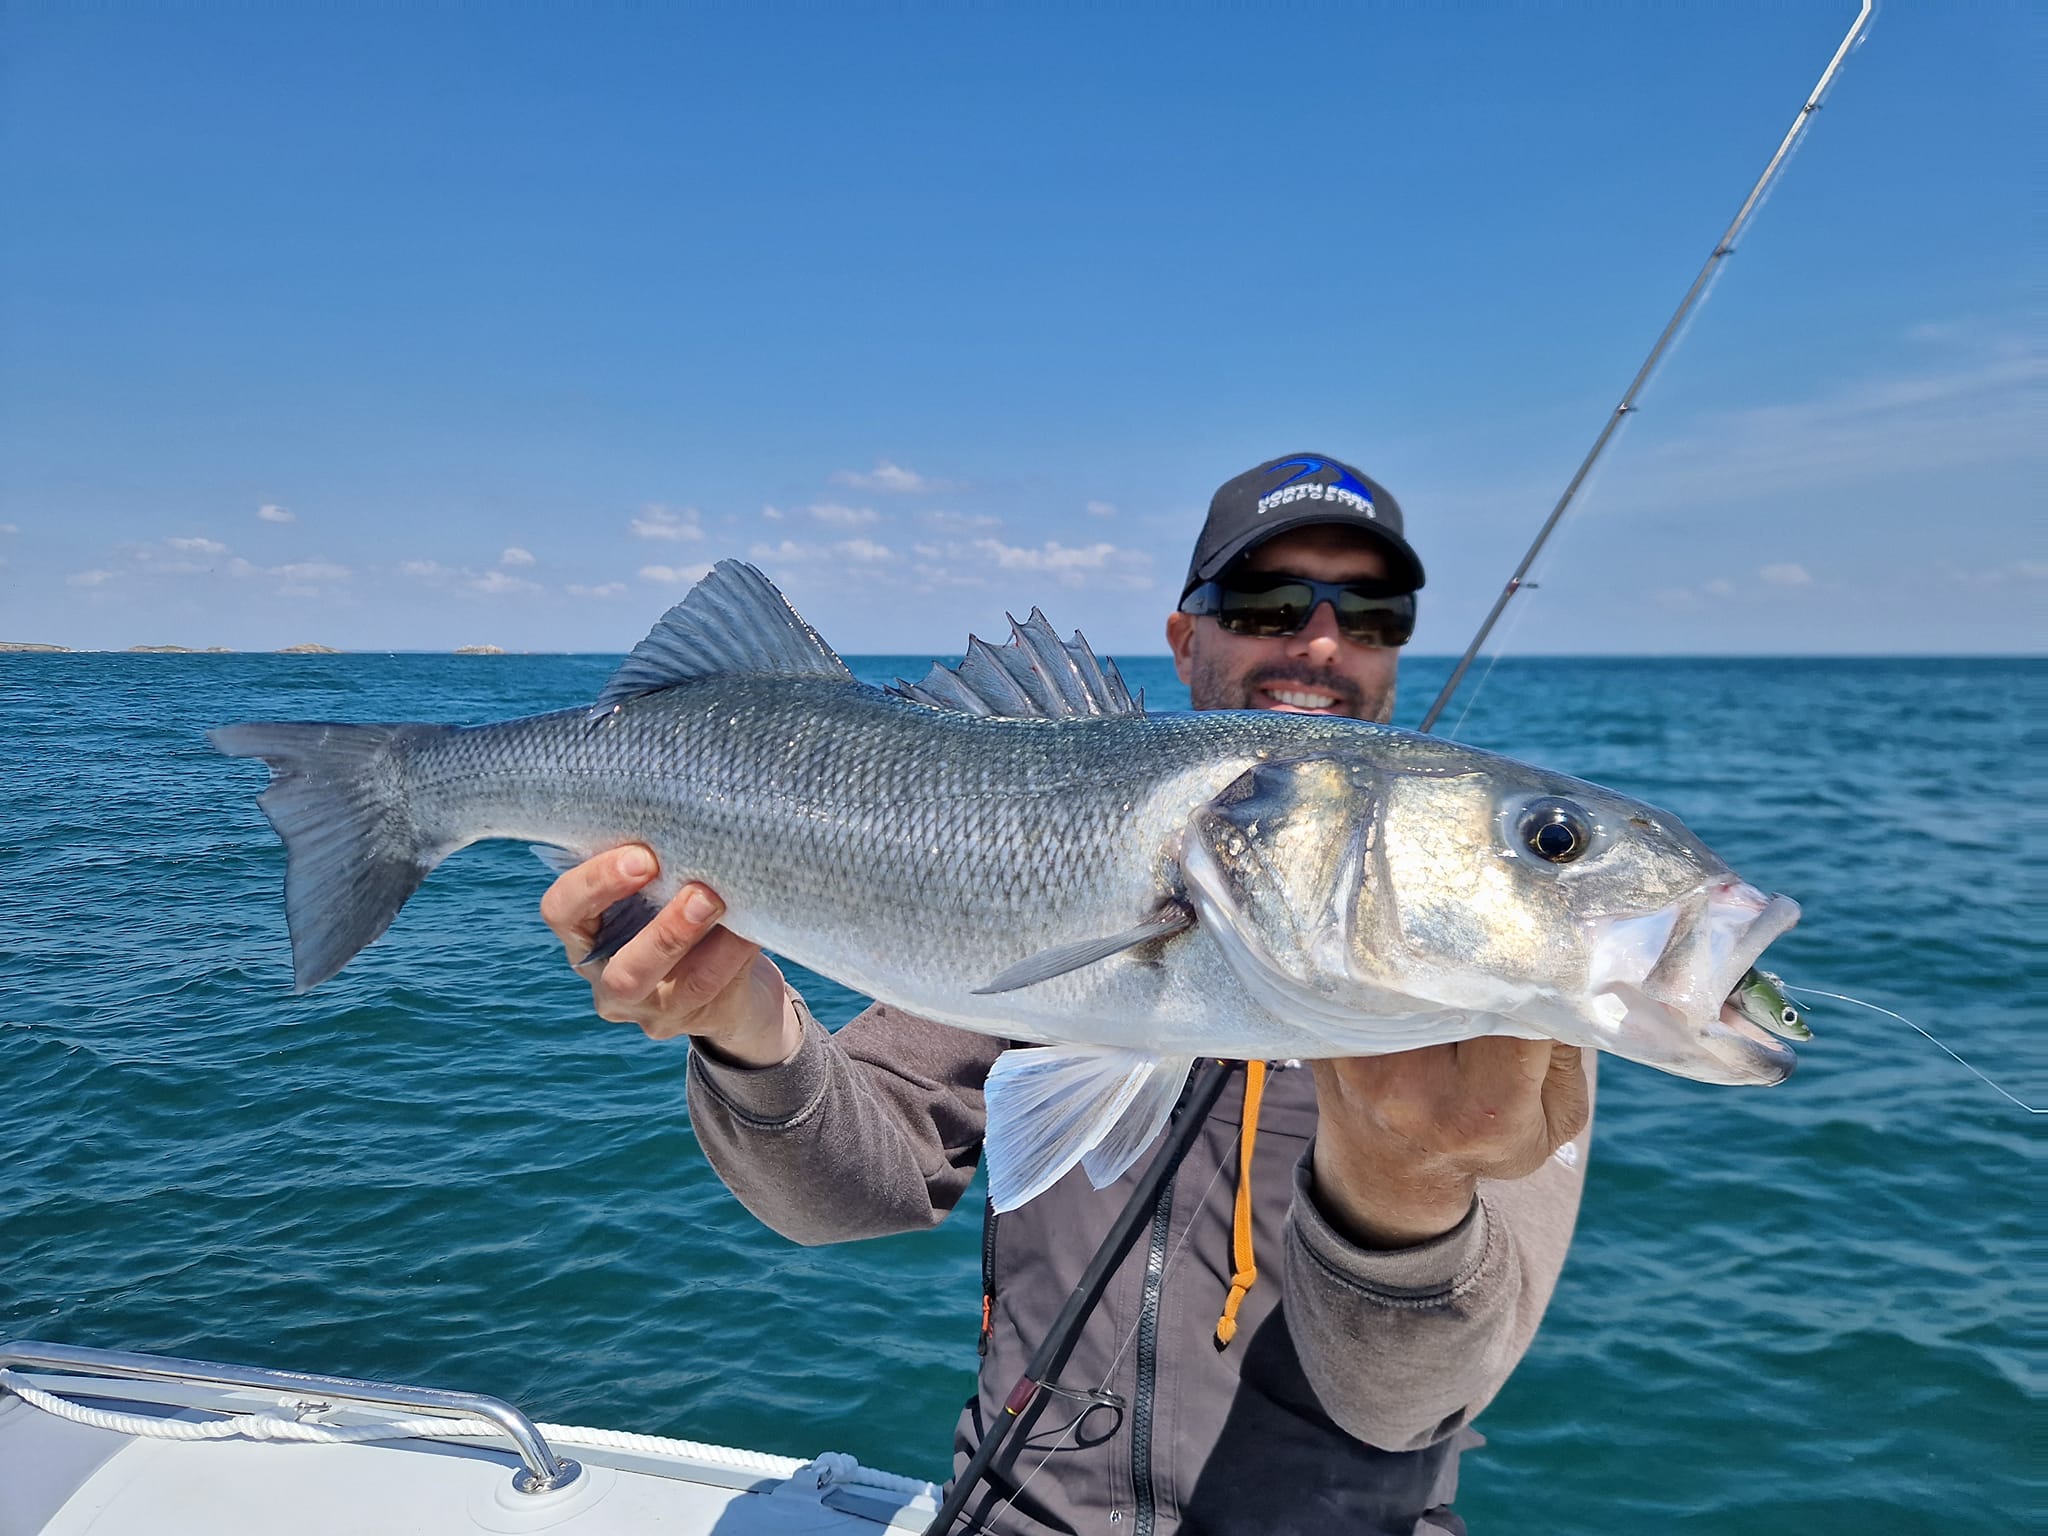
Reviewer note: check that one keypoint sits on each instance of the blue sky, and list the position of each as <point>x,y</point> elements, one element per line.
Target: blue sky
<point>411,327</point>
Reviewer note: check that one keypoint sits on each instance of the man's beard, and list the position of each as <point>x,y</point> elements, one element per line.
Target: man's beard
<point>1212,688</point>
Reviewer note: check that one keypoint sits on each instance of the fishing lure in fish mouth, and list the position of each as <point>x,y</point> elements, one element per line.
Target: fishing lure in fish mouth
<point>1760,998</point>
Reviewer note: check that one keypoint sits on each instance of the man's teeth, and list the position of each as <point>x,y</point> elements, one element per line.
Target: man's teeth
<point>1302,698</point>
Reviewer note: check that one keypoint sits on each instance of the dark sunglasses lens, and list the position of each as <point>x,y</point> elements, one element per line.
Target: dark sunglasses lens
<point>1377,620</point>
<point>1278,610</point>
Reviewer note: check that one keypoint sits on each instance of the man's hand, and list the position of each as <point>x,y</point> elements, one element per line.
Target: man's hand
<point>680,975</point>
<point>1402,1140</point>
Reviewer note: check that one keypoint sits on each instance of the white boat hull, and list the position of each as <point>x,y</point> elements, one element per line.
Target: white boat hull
<point>89,1453</point>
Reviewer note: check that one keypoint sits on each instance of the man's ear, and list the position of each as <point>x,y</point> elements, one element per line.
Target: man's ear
<point>1180,639</point>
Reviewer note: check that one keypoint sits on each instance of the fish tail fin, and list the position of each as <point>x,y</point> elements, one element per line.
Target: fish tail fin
<point>353,851</point>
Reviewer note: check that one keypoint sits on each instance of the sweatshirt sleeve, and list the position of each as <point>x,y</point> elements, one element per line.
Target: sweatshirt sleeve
<point>1404,1347</point>
<point>873,1130</point>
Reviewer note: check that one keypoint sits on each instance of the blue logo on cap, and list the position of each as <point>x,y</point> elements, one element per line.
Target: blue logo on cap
<point>1345,480</point>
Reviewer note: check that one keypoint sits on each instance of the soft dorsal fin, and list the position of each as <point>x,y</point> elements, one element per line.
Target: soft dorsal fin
<point>1037,676</point>
<point>733,621</point>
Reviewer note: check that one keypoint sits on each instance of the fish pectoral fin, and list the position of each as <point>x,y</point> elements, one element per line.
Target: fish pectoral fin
<point>1174,917</point>
<point>1049,1106</point>
<point>1149,1110</point>
<point>622,920</point>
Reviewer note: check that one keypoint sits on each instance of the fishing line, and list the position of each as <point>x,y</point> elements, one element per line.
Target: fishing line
<point>1457,730</point>
<point>1843,997</point>
<point>1588,491</point>
<point>1114,1360</point>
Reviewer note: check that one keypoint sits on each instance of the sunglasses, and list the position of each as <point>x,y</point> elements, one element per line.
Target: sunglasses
<point>1268,604</point>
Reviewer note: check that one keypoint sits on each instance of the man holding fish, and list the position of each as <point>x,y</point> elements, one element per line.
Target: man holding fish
<point>1413,1209</point>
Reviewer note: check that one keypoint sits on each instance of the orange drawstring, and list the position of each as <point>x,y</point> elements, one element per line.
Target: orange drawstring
<point>1241,1219</point>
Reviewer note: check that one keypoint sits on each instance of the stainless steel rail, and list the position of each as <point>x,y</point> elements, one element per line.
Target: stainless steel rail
<point>543,1472</point>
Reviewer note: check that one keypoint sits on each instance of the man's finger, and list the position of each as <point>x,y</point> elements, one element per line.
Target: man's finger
<point>574,903</point>
<point>719,962</point>
<point>658,948</point>
<point>1567,1105</point>
<point>1503,1063</point>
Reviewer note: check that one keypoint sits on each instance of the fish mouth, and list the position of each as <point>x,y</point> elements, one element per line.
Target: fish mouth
<point>1664,985</point>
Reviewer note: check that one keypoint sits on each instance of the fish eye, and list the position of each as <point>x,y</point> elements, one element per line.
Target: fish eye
<point>1788,1015</point>
<point>1556,831</point>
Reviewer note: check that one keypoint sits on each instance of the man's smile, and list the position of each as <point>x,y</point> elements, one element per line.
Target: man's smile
<point>1295,700</point>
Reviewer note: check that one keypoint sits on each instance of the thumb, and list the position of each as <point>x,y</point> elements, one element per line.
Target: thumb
<point>1567,1103</point>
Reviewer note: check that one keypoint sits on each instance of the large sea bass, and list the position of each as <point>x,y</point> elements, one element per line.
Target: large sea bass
<point>1016,847</point>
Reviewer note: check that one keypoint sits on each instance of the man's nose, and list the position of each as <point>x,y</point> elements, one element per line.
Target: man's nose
<point>1318,639</point>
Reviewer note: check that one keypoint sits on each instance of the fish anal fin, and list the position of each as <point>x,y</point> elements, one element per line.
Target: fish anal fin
<point>621,920</point>
<point>1174,917</point>
<point>1048,1107</point>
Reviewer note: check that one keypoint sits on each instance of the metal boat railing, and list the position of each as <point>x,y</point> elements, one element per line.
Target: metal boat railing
<point>543,1472</point>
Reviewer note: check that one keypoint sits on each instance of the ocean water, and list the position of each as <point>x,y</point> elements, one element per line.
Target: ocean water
<point>1808,1309</point>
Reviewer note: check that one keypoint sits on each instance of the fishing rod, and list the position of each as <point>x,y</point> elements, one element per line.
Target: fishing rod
<point>1065,1332</point>
<point>1058,1344</point>
<point>1723,248</point>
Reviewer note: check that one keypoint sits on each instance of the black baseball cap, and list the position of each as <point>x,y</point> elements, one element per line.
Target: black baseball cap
<point>1295,492</point>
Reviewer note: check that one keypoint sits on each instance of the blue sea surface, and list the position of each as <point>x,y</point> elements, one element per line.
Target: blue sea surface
<point>1802,1309</point>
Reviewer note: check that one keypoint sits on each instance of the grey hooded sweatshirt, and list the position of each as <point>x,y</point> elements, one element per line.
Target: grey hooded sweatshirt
<point>1342,1402</point>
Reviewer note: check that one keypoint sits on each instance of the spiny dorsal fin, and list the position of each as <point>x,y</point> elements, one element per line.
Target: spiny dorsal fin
<point>1037,676</point>
<point>733,621</point>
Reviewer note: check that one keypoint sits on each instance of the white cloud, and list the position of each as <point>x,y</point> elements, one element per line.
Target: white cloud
<point>891,478</point>
<point>272,513</point>
<point>9,528</point>
<point>240,567</point>
<point>929,575</point>
<point>1087,565</point>
<point>862,551</point>
<point>90,578</point>
<point>1982,412</point>
<point>675,575</point>
<point>772,514</point>
<point>305,572</point>
<point>516,556</point>
<point>658,522</point>
<point>1997,575</point>
<point>493,582</point>
<point>968,563</point>
<point>602,589</point>
<point>198,546</point>
<point>1101,509</point>
<point>959,522</point>
<point>1720,586</point>
<point>1788,574</point>
<point>1678,599</point>
<point>839,516</point>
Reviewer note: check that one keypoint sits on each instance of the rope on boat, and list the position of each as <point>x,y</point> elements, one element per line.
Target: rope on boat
<point>833,1469</point>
